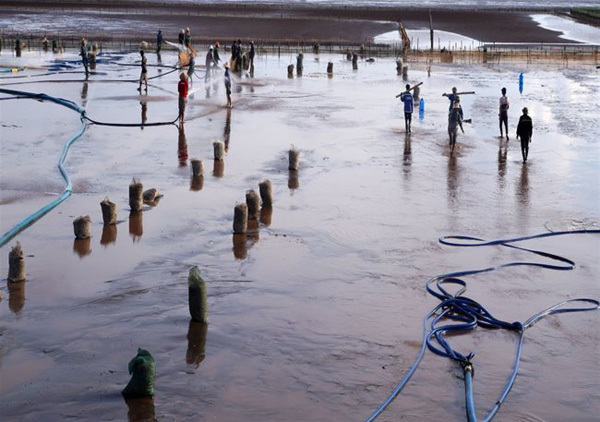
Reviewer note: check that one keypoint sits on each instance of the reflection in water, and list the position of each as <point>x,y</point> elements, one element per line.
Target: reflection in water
<point>293,182</point>
<point>196,343</point>
<point>144,105</point>
<point>140,409</point>
<point>266,212</point>
<point>407,153</point>
<point>207,91</point>
<point>182,148</point>
<point>82,247</point>
<point>136,225</point>
<point>196,183</point>
<point>523,187</point>
<point>159,61</point>
<point>253,232</point>
<point>227,130</point>
<point>16,296</point>
<point>84,94</point>
<point>219,168</point>
<point>502,155</point>
<point>240,250</point>
<point>109,234</point>
<point>452,194</point>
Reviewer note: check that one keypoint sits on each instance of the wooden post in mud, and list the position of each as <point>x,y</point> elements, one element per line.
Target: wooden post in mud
<point>219,150</point>
<point>136,190</point>
<point>266,192</point>
<point>252,202</point>
<point>330,68</point>
<point>354,61</point>
<point>16,264</point>
<point>294,158</point>
<point>431,31</point>
<point>197,167</point>
<point>109,211</point>
<point>240,219</point>
<point>197,298</point>
<point>299,64</point>
<point>82,227</point>
<point>290,70</point>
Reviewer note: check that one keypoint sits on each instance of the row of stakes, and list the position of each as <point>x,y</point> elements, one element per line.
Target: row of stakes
<point>350,56</point>
<point>143,367</point>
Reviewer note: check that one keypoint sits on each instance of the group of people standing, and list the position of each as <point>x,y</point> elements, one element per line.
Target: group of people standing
<point>456,118</point>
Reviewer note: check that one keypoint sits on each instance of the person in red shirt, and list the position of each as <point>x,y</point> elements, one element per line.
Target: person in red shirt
<point>182,88</point>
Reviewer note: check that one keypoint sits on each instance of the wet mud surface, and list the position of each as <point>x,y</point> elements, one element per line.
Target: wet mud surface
<point>317,313</point>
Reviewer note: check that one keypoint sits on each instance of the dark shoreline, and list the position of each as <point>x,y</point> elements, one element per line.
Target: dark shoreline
<point>273,23</point>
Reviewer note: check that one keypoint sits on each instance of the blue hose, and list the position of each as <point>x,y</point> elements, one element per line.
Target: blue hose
<point>468,314</point>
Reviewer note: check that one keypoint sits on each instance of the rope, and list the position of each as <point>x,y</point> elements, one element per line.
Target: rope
<point>469,314</point>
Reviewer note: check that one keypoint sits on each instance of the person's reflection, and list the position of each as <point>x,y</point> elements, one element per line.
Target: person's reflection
<point>238,88</point>
<point>196,183</point>
<point>266,213</point>
<point>252,70</point>
<point>227,130</point>
<point>452,193</point>
<point>293,182</point>
<point>219,168</point>
<point>144,105</point>
<point>207,89</point>
<point>182,148</point>
<point>136,225</point>
<point>240,250</point>
<point>523,187</point>
<point>82,247</point>
<point>159,61</point>
<point>16,296</point>
<point>84,94</point>
<point>407,153</point>
<point>140,409</point>
<point>196,343</point>
<point>109,234</point>
<point>502,155</point>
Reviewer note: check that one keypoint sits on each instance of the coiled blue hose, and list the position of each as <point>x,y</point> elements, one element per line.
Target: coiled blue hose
<point>6,237</point>
<point>469,314</point>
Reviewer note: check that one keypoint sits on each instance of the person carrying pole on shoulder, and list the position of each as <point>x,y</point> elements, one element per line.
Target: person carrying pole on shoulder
<point>525,132</point>
<point>407,98</point>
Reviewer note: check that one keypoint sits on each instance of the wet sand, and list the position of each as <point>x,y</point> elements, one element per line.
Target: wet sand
<point>225,22</point>
<point>318,314</point>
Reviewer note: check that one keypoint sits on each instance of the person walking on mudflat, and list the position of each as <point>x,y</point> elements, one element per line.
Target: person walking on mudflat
<point>144,74</point>
<point>503,112</point>
<point>409,102</point>
<point>182,88</point>
<point>84,57</point>
<point>454,122</point>
<point>525,132</point>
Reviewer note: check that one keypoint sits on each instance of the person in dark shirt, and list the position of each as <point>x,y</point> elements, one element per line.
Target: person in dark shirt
<point>159,41</point>
<point>503,112</point>
<point>216,56</point>
<point>525,132</point>
<point>252,54</point>
<point>144,74</point>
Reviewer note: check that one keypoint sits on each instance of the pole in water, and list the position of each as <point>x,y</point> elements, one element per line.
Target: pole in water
<point>252,202</point>
<point>197,167</point>
<point>197,298</point>
<point>330,68</point>
<point>299,64</point>
<point>109,211</point>
<point>82,227</point>
<point>240,219</point>
<point>219,150</point>
<point>294,158</point>
<point>143,370</point>
<point>521,83</point>
<point>354,61</point>
<point>136,199</point>
<point>421,108</point>
<point>266,192</point>
<point>16,264</point>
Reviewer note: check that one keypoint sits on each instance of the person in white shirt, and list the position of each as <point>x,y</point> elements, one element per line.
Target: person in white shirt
<point>503,112</point>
